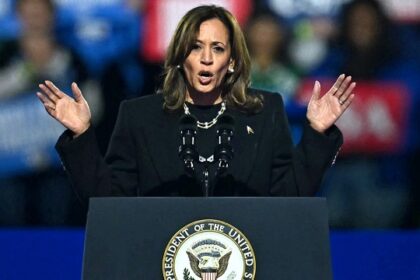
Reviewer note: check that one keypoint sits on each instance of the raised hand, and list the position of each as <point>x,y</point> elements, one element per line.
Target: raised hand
<point>324,111</point>
<point>73,113</point>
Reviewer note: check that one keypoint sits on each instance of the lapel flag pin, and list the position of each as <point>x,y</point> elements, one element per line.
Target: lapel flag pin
<point>249,130</point>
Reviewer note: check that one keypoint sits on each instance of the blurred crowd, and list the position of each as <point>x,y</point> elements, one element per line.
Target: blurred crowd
<point>111,49</point>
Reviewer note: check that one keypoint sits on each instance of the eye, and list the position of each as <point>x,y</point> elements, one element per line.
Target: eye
<point>219,49</point>
<point>195,47</point>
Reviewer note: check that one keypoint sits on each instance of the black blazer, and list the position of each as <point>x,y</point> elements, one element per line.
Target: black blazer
<point>142,158</point>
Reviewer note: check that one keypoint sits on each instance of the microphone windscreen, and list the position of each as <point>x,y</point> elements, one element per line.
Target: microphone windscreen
<point>226,122</point>
<point>187,122</point>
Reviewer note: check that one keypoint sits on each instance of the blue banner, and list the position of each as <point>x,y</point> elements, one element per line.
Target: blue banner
<point>27,136</point>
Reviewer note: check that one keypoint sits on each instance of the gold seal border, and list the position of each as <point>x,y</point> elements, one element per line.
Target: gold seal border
<point>207,221</point>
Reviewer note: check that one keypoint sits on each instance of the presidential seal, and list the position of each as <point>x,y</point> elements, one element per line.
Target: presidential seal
<point>208,250</point>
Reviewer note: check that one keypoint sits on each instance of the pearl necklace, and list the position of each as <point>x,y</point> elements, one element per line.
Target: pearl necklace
<point>207,125</point>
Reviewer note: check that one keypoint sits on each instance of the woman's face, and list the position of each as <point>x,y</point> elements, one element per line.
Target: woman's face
<point>208,62</point>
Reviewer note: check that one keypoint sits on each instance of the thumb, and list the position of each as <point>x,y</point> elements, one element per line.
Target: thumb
<point>77,93</point>
<point>316,92</point>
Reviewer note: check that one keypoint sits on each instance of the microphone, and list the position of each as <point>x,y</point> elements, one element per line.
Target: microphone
<point>187,151</point>
<point>224,149</point>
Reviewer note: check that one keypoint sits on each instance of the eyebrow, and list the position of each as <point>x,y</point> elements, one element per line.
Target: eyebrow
<point>213,43</point>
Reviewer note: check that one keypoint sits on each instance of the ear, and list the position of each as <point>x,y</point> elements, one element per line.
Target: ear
<point>231,68</point>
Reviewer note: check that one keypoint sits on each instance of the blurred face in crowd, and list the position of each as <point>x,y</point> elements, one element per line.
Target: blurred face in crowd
<point>37,49</point>
<point>265,37</point>
<point>36,15</point>
<point>207,64</point>
<point>364,27</point>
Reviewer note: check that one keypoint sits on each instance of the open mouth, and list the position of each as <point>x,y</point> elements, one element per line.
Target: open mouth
<point>205,77</point>
<point>206,74</point>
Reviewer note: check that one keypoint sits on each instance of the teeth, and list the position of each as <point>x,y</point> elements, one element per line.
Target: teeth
<point>206,74</point>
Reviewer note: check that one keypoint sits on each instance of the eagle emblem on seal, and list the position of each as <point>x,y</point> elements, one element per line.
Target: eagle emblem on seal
<point>209,259</point>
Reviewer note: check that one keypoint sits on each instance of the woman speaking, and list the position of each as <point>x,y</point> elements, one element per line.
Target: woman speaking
<point>205,132</point>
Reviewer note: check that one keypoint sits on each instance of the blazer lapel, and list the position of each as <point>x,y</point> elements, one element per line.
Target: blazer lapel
<point>163,140</point>
<point>246,139</point>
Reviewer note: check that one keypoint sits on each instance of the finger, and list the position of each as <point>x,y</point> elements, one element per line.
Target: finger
<point>337,84</point>
<point>48,93</point>
<point>347,103</point>
<point>77,93</point>
<point>51,112</point>
<point>347,93</point>
<point>45,100</point>
<point>316,92</point>
<point>48,105</point>
<point>55,90</point>
<point>343,87</point>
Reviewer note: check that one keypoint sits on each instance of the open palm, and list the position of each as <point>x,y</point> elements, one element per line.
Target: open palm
<point>73,113</point>
<point>324,111</point>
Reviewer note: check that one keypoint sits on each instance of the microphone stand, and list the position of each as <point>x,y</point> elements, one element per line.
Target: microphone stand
<point>206,181</point>
<point>224,150</point>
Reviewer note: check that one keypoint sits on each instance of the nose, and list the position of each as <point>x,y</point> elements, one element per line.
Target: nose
<point>206,56</point>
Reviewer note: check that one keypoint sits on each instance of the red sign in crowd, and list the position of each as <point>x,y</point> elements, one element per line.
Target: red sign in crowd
<point>377,120</point>
<point>162,17</point>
